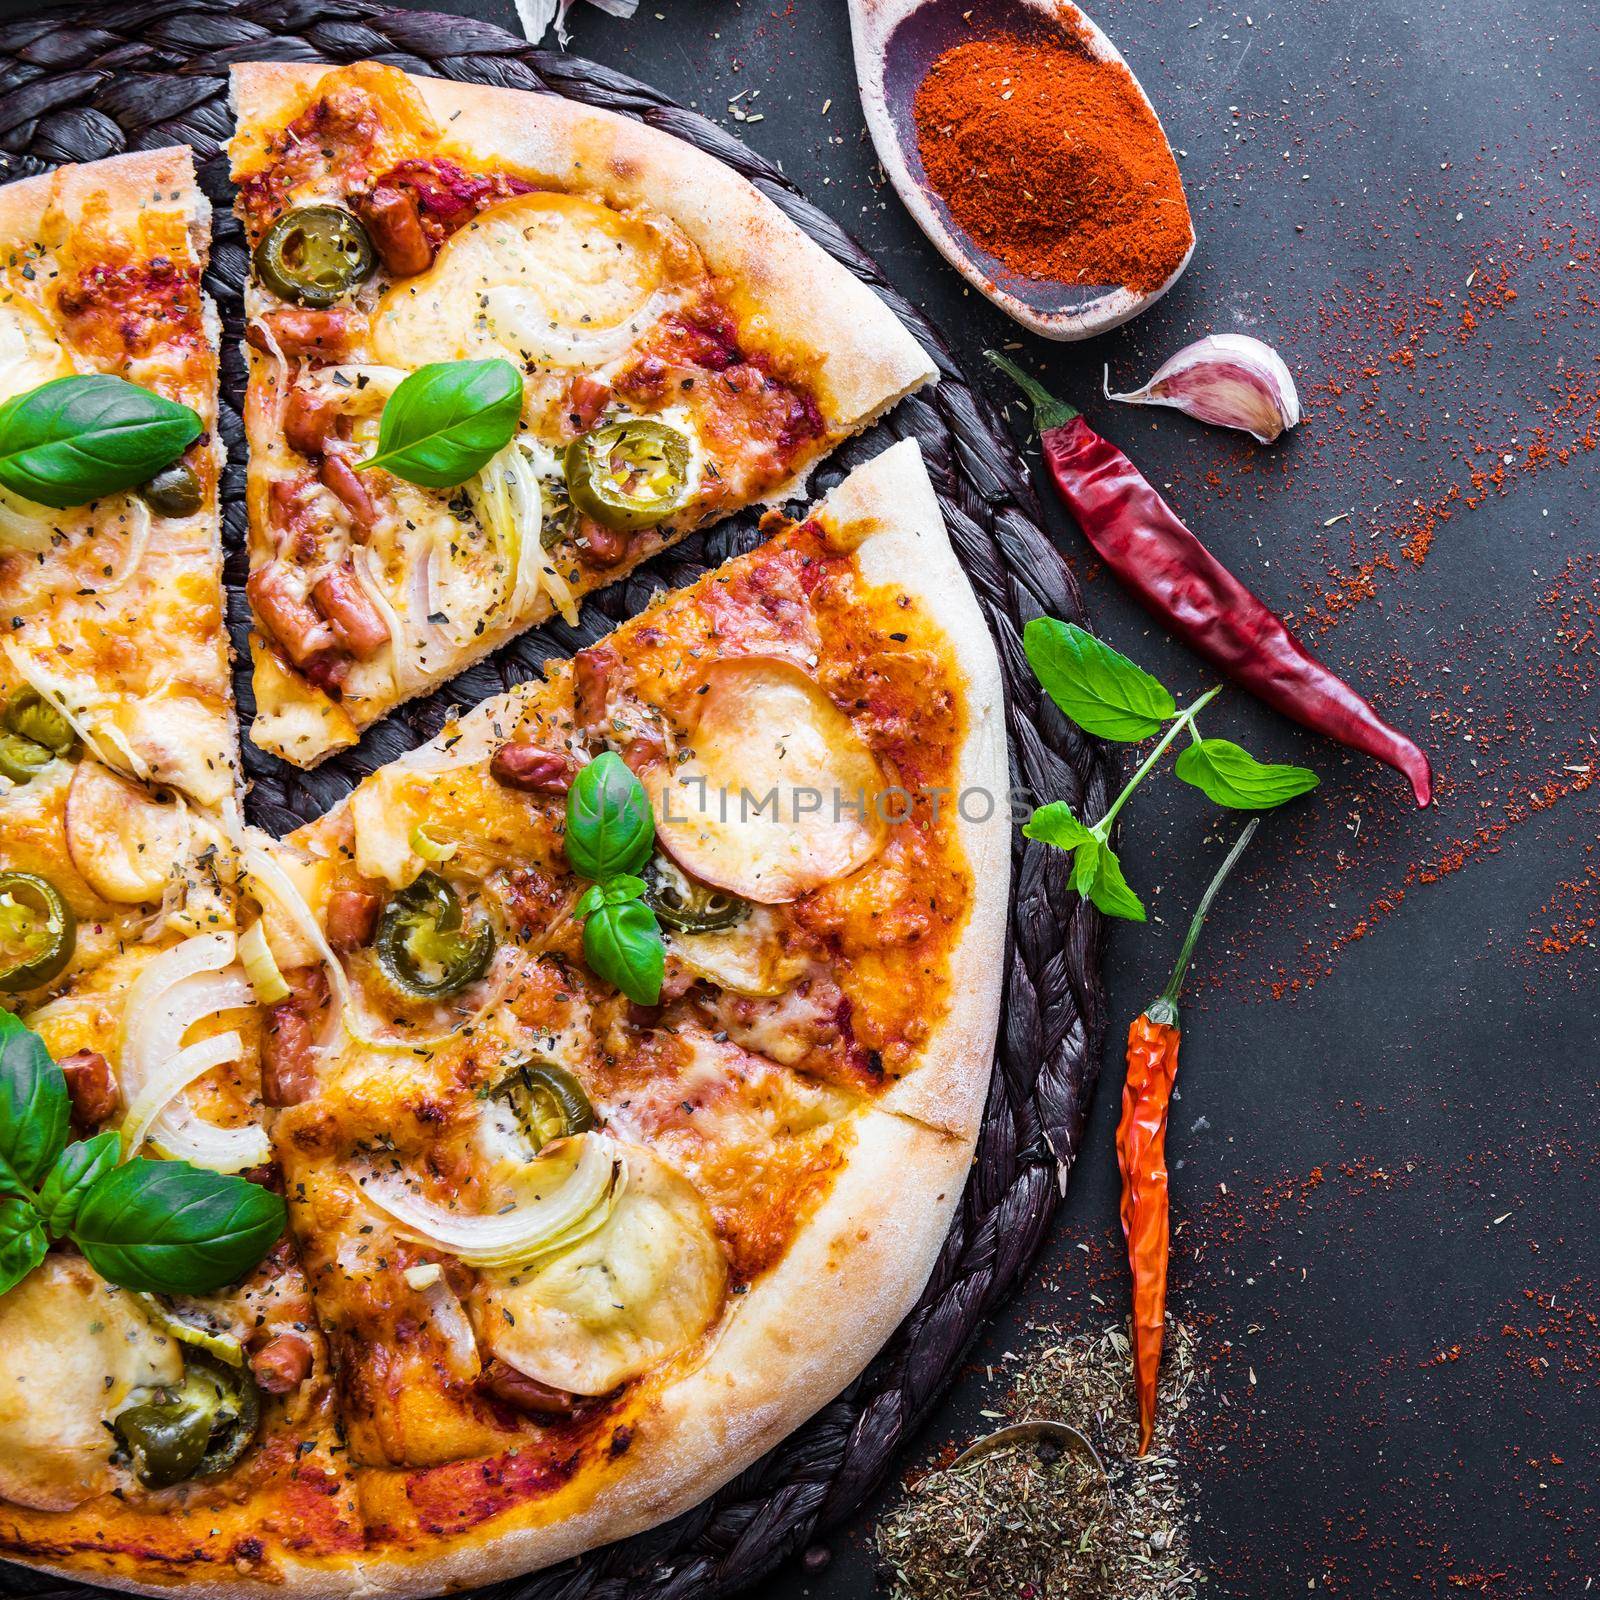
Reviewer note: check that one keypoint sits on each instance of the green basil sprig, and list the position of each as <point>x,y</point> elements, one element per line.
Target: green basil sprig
<point>1111,697</point>
<point>73,440</point>
<point>164,1227</point>
<point>446,422</point>
<point>610,834</point>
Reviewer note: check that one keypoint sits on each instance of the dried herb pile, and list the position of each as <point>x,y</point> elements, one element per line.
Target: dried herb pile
<point>1034,1523</point>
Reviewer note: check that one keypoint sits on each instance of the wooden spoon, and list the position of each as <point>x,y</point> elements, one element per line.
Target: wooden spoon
<point>896,41</point>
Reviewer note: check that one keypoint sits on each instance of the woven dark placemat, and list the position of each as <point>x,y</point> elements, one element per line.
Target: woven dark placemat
<point>78,83</point>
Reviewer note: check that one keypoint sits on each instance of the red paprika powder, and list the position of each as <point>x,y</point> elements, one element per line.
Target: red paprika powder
<point>1051,160</point>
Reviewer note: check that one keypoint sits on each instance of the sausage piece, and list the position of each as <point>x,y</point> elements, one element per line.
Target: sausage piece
<point>352,919</point>
<point>93,1088</point>
<point>308,419</point>
<point>288,1064</point>
<point>282,1364</point>
<point>290,619</point>
<point>523,1393</point>
<point>350,611</point>
<point>299,333</point>
<point>344,481</point>
<point>393,222</point>
<point>531,769</point>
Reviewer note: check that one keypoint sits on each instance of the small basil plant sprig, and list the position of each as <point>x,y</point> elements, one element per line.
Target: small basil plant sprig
<point>610,834</point>
<point>163,1227</point>
<point>446,421</point>
<point>73,440</point>
<point>1109,696</point>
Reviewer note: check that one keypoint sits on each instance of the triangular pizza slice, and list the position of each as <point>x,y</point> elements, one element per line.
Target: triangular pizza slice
<point>503,347</point>
<point>589,1227</point>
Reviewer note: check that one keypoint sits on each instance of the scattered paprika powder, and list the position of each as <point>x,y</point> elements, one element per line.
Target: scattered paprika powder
<point>1052,161</point>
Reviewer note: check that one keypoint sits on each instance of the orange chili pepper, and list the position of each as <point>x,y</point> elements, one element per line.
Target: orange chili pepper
<point>1142,1156</point>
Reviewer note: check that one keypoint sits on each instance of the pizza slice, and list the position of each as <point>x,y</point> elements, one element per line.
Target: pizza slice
<point>502,348</point>
<point>111,603</point>
<point>632,1070</point>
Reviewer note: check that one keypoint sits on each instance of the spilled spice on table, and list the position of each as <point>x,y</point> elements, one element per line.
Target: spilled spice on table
<point>1024,1524</point>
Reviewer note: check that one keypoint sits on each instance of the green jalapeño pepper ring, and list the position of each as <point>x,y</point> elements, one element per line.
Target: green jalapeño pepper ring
<point>549,1102</point>
<point>628,474</point>
<point>423,948</point>
<point>688,906</point>
<point>314,255</point>
<point>174,491</point>
<point>198,1428</point>
<point>38,931</point>
<point>30,716</point>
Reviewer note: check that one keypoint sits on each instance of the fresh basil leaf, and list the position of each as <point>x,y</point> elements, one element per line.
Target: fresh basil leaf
<point>1097,876</point>
<point>447,420</point>
<point>1099,688</point>
<point>1232,777</point>
<point>610,831</point>
<point>74,439</point>
<point>1055,824</point>
<point>34,1108</point>
<point>78,1168</point>
<point>22,1242</point>
<point>618,891</point>
<point>623,945</point>
<point>169,1228</point>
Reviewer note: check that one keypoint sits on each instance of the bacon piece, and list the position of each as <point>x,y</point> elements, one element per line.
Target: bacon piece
<point>531,769</point>
<point>343,480</point>
<point>308,419</point>
<point>352,919</point>
<point>392,219</point>
<point>300,333</point>
<point>288,1069</point>
<point>523,1393</point>
<point>351,612</point>
<point>282,1364</point>
<point>92,1086</point>
<point>606,545</point>
<point>587,397</point>
<point>285,614</point>
<point>591,689</point>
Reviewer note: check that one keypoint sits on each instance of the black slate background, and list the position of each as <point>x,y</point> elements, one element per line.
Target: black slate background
<point>1385,1179</point>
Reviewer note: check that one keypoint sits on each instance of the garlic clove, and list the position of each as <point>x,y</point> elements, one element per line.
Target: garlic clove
<point>1228,379</point>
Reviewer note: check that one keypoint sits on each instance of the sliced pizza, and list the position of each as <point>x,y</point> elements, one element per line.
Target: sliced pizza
<point>110,563</point>
<point>503,347</point>
<point>632,1070</point>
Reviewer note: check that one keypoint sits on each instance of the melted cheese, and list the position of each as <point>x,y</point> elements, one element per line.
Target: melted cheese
<point>778,794</point>
<point>749,958</point>
<point>636,1292</point>
<point>544,279</point>
<point>125,844</point>
<point>76,1350</point>
<point>29,354</point>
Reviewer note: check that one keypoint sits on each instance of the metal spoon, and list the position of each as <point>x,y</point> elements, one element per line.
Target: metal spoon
<point>896,41</point>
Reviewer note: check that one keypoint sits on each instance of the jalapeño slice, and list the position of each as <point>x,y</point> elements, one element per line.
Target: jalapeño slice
<point>628,474</point>
<point>314,255</point>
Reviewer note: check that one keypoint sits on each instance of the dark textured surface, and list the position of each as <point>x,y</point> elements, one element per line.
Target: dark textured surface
<point>155,73</point>
<point>1386,1179</point>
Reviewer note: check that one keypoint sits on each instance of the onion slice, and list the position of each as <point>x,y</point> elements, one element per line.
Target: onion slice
<point>569,1193</point>
<point>179,988</point>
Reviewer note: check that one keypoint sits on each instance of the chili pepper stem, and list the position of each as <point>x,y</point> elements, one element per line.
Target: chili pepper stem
<point>1048,411</point>
<point>1184,719</point>
<point>1164,1009</point>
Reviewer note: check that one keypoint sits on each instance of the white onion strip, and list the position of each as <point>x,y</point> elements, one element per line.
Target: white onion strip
<point>577,1205</point>
<point>179,988</point>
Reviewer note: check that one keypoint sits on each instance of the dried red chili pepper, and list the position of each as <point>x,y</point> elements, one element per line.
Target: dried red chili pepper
<point>1142,1156</point>
<point>1174,576</point>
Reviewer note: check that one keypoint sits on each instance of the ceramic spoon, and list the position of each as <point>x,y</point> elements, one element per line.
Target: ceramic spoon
<point>896,41</point>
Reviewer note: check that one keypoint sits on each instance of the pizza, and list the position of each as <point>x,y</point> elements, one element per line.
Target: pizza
<point>100,278</point>
<point>677,347</point>
<point>504,1160</point>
